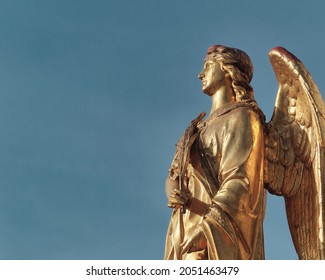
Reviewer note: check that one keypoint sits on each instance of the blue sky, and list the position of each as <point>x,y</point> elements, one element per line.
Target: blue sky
<point>93,97</point>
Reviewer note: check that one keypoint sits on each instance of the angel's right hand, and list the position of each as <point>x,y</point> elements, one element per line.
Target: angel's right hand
<point>179,198</point>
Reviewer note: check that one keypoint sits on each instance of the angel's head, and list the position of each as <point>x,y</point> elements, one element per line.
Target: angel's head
<point>236,66</point>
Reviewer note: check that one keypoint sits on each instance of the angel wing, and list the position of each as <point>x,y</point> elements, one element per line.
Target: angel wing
<point>294,153</point>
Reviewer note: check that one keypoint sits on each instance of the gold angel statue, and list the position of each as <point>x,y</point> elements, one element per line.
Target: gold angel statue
<point>224,163</point>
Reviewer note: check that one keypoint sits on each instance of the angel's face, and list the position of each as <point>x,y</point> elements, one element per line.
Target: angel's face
<point>212,76</point>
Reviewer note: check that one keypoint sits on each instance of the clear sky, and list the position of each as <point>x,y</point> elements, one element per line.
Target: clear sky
<point>93,97</point>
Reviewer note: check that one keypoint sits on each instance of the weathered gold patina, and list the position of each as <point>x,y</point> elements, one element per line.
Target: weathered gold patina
<point>222,165</point>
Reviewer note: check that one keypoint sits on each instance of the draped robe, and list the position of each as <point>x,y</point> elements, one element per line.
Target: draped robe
<point>225,178</point>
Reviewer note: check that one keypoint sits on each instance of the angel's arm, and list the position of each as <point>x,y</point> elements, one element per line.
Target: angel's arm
<point>241,164</point>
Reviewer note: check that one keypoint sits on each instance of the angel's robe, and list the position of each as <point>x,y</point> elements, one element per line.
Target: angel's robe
<point>225,178</point>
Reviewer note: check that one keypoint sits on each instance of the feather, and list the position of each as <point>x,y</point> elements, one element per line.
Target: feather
<point>298,173</point>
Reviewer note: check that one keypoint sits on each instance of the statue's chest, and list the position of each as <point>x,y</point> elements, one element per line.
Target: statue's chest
<point>209,140</point>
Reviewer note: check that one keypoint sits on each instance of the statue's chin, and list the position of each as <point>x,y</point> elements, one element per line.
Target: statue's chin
<point>206,92</point>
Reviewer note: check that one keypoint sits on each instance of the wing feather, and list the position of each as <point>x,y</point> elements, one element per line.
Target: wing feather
<point>294,157</point>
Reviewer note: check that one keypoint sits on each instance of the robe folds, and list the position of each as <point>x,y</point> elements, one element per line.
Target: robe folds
<point>225,178</point>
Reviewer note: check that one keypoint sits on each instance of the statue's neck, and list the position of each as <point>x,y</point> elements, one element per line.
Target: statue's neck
<point>222,97</point>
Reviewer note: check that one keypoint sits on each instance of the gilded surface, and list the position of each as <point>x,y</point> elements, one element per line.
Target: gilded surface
<point>224,163</point>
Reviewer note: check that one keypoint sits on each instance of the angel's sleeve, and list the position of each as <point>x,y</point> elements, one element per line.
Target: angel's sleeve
<point>240,173</point>
<point>238,207</point>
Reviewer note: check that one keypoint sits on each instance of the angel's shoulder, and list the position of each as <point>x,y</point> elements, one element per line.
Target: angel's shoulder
<point>244,115</point>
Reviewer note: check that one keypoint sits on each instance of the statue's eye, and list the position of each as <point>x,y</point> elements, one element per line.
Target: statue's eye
<point>208,65</point>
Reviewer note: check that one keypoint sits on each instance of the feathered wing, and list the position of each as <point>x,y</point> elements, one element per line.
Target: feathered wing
<point>294,153</point>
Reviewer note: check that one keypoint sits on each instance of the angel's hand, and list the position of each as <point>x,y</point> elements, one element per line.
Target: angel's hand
<point>179,198</point>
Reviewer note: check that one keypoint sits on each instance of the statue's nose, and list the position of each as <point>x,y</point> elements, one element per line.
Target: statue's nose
<point>200,76</point>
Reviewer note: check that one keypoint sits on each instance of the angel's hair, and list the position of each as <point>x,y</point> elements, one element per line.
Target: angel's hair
<point>240,68</point>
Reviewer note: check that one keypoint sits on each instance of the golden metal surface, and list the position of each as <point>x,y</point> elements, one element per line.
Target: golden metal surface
<point>224,163</point>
